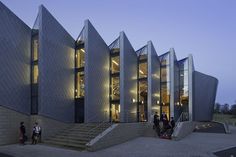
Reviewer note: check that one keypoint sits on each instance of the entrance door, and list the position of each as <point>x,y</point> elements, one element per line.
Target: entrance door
<point>79,110</point>
<point>115,112</point>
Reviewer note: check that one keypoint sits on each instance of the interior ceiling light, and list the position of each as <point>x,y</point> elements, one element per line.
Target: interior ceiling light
<point>115,62</point>
<point>82,50</point>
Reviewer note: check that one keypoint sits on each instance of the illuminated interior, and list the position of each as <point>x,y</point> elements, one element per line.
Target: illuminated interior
<point>143,70</point>
<point>35,74</point>
<point>80,58</point>
<point>115,112</point>
<point>35,49</point>
<point>115,81</point>
<point>79,66</point>
<point>115,88</point>
<point>115,64</point>
<point>79,84</point>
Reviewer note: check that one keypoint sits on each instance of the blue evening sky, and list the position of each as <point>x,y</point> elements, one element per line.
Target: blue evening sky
<point>204,28</point>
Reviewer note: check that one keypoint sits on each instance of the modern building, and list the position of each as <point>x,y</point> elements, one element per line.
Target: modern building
<point>47,76</point>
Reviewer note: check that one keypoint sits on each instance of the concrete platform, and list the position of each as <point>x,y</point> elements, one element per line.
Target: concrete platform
<point>196,144</point>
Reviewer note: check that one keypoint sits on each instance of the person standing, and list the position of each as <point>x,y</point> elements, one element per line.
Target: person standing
<point>22,133</point>
<point>36,133</point>
<point>172,123</point>
<point>156,124</point>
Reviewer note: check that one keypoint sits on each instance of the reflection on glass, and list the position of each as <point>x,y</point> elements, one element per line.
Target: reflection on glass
<point>35,74</point>
<point>165,59</point>
<point>79,91</point>
<point>183,77</point>
<point>143,57</point>
<point>80,58</point>
<point>115,88</point>
<point>115,64</point>
<point>115,112</point>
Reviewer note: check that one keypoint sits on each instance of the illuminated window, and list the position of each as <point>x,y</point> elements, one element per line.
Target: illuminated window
<point>115,88</point>
<point>80,58</point>
<point>115,112</point>
<point>143,70</point>
<point>115,64</point>
<point>35,49</point>
<point>35,74</point>
<point>79,90</point>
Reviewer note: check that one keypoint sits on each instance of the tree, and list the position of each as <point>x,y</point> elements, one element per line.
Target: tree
<point>217,107</point>
<point>233,109</point>
<point>225,109</point>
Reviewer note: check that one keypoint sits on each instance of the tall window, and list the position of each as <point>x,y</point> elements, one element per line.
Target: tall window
<point>35,48</point>
<point>35,74</point>
<point>165,84</point>
<point>79,68</point>
<point>34,71</point>
<point>79,84</point>
<point>183,85</point>
<point>142,84</point>
<point>80,58</point>
<point>115,81</point>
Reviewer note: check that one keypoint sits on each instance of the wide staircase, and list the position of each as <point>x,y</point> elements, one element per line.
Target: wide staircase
<point>78,135</point>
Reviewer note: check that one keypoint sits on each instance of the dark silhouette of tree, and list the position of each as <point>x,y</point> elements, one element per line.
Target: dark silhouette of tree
<point>225,109</point>
<point>217,107</point>
<point>233,109</point>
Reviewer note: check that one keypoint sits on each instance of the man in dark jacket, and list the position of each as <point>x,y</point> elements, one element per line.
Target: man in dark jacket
<point>22,133</point>
<point>172,123</point>
<point>156,122</point>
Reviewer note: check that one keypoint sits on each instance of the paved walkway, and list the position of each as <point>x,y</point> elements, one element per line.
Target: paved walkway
<point>194,145</point>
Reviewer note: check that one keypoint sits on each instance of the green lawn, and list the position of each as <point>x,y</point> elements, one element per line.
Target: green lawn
<point>230,119</point>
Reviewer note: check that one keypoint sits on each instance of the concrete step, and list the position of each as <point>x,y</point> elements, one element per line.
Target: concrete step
<point>72,141</point>
<point>74,138</point>
<point>85,130</point>
<point>78,135</point>
<point>63,144</point>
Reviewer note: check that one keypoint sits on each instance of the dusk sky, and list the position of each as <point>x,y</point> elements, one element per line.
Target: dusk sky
<point>204,28</point>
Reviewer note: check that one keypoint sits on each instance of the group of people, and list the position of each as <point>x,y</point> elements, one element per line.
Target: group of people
<point>36,134</point>
<point>164,128</point>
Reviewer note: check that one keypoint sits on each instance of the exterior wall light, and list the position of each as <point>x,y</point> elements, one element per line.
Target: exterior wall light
<point>133,100</point>
<point>158,101</point>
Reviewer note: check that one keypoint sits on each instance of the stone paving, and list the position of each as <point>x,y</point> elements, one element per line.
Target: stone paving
<point>194,145</point>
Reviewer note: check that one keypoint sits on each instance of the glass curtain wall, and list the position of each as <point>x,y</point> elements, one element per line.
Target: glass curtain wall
<point>34,71</point>
<point>115,81</point>
<point>165,84</point>
<point>142,84</point>
<point>183,86</point>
